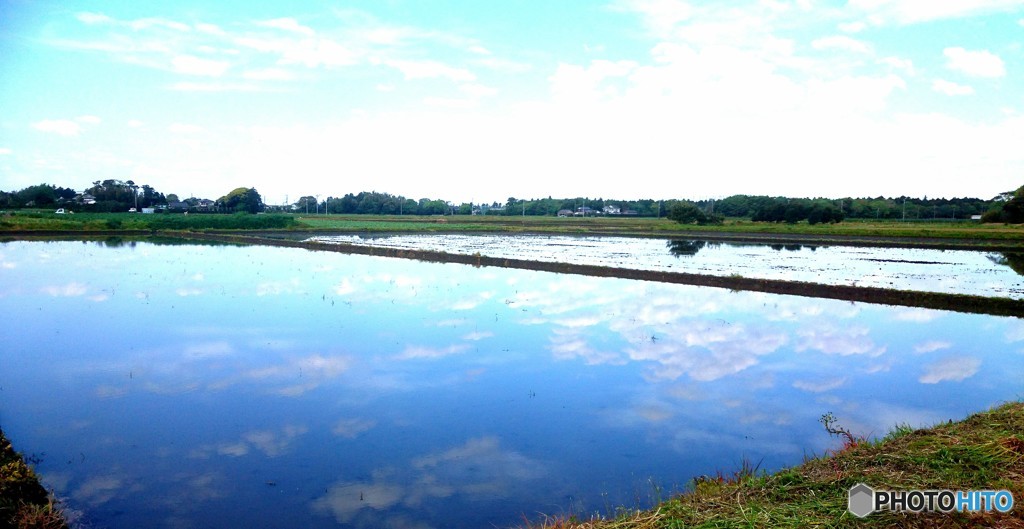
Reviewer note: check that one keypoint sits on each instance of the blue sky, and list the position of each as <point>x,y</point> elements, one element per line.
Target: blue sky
<point>480,101</point>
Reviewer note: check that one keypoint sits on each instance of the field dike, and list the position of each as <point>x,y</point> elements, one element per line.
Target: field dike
<point>906,298</point>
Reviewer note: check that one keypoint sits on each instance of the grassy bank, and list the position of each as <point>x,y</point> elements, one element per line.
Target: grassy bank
<point>984,451</point>
<point>24,503</point>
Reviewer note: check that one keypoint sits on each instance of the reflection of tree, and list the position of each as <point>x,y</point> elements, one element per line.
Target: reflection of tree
<point>1013,260</point>
<point>791,247</point>
<point>118,242</point>
<point>687,248</point>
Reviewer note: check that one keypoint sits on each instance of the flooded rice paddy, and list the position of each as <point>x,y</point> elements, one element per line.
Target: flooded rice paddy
<point>198,385</point>
<point>945,271</point>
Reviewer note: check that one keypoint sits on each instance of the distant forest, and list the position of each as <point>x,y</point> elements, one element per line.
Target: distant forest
<point>758,208</point>
<point>116,195</point>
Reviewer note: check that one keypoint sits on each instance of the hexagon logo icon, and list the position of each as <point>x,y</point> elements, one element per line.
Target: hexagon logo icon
<point>861,500</point>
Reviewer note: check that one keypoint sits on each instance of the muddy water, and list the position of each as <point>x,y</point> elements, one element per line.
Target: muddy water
<point>946,271</point>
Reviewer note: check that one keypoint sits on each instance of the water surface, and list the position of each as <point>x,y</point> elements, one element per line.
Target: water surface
<point>947,271</point>
<point>196,386</point>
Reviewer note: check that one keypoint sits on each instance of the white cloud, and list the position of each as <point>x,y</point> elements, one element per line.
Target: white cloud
<point>352,428</point>
<point>420,352</point>
<point>100,489</point>
<point>931,346</point>
<point>190,65</point>
<point>269,74</point>
<point>480,468</point>
<point>853,27</point>
<point>311,52</point>
<point>819,386</point>
<point>69,290</point>
<point>478,335</point>
<point>287,24</point>
<point>841,42</point>
<point>93,18</point>
<point>951,89</point>
<point>209,350</point>
<point>62,127</point>
<point>428,69</point>
<point>146,23</point>
<point>1015,332</point>
<point>216,87</point>
<point>5,151</point>
<point>92,120</point>
<point>476,90</point>
<point>660,15</point>
<point>951,369</point>
<point>915,11</point>
<point>210,29</point>
<point>898,63</point>
<point>974,63</point>
<point>916,315</point>
<point>706,352</point>
<point>839,341</point>
<point>184,128</point>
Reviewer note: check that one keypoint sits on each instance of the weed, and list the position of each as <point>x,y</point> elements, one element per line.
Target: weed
<point>832,426</point>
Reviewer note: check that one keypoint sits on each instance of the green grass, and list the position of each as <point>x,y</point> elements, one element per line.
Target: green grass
<point>24,503</point>
<point>984,451</point>
<point>49,221</point>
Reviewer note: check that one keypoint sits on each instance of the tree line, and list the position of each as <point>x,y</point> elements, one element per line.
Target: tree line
<point>106,196</point>
<point>116,195</point>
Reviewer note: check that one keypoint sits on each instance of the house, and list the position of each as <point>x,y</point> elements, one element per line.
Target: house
<point>565,213</point>
<point>612,210</point>
<point>178,206</point>
<point>85,198</point>
<point>583,211</point>
<point>204,204</point>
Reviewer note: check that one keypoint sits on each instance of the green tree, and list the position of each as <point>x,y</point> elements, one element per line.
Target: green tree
<point>1011,211</point>
<point>687,213</point>
<point>242,200</point>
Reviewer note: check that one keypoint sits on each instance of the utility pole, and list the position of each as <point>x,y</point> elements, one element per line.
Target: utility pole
<point>318,204</point>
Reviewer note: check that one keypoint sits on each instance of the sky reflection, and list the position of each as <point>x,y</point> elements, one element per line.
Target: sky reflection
<point>204,385</point>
